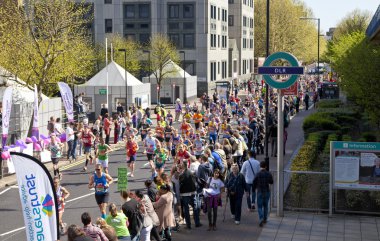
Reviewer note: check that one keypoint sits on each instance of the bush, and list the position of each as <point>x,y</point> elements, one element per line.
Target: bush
<point>319,123</point>
<point>329,104</point>
<point>369,137</point>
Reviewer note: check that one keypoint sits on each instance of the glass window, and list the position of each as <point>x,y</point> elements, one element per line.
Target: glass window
<point>144,37</point>
<point>107,1</point>
<point>188,40</point>
<point>173,11</point>
<point>129,26</point>
<point>108,25</point>
<point>144,10</point>
<point>230,1</point>
<point>144,25</point>
<point>130,37</point>
<point>188,11</point>
<point>173,26</point>
<point>175,39</point>
<point>129,11</point>
<point>230,20</point>
<point>188,25</point>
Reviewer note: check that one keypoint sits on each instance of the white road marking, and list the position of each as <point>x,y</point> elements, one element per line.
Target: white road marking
<point>77,198</point>
<point>12,231</point>
<point>6,190</point>
<point>146,164</point>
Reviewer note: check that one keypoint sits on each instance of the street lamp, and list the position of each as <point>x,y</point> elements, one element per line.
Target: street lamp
<point>184,76</point>
<point>150,68</point>
<point>126,78</point>
<point>319,20</point>
<point>266,159</point>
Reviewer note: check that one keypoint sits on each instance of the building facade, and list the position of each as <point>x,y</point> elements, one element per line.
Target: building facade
<point>200,29</point>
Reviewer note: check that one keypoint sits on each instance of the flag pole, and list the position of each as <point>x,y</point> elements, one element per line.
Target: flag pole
<point>107,70</point>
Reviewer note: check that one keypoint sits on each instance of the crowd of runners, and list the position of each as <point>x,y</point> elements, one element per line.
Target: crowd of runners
<point>195,153</point>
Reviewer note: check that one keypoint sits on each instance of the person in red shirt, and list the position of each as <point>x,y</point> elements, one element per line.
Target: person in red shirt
<point>87,139</point>
<point>107,128</point>
<point>182,155</point>
<point>131,148</point>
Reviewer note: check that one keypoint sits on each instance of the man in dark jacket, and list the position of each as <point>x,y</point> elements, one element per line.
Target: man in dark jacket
<point>188,191</point>
<point>261,184</point>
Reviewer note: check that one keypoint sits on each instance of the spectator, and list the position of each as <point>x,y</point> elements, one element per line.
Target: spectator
<point>250,169</point>
<point>108,230</point>
<point>91,230</point>
<point>103,110</point>
<point>119,222</point>
<point>119,108</point>
<point>235,185</point>
<point>75,233</point>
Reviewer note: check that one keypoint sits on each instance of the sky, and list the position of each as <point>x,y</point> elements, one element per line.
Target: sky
<point>331,12</point>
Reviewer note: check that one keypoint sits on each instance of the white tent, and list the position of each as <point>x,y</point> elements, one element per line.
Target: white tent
<point>177,84</point>
<point>96,94</point>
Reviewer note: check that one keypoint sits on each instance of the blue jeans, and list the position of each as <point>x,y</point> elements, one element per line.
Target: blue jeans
<point>251,197</point>
<point>124,238</point>
<point>70,145</point>
<point>235,206</point>
<point>135,238</point>
<point>262,204</point>
<point>73,151</point>
<point>185,202</point>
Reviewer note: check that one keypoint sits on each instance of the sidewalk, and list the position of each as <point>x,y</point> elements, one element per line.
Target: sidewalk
<point>314,227</point>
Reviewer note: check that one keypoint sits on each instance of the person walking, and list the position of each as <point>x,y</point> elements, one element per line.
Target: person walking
<point>119,222</point>
<point>164,210</point>
<point>101,182</point>
<point>261,183</point>
<point>235,185</point>
<point>250,169</point>
<point>215,187</point>
<point>70,141</point>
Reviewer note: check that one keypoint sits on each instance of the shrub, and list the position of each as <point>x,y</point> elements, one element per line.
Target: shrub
<point>329,104</point>
<point>369,137</point>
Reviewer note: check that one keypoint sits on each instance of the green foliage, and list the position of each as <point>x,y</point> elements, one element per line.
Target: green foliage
<point>318,123</point>
<point>329,103</point>
<point>355,21</point>
<point>369,137</point>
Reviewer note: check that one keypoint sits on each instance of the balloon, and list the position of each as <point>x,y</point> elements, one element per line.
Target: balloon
<point>12,146</point>
<point>29,140</point>
<point>42,136</point>
<point>5,155</point>
<point>37,147</point>
<point>6,148</point>
<point>34,139</point>
<point>19,143</point>
<point>58,140</point>
<point>63,137</point>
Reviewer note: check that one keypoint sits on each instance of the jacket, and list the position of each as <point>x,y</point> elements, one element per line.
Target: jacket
<point>235,184</point>
<point>187,182</point>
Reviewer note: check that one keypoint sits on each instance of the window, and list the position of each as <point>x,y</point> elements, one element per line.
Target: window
<point>218,67</point>
<point>218,13</point>
<point>188,11</point>
<point>224,42</point>
<point>108,25</point>
<point>251,43</point>
<point>224,69</point>
<point>230,1</point>
<point>188,41</point>
<point>213,40</point>
<point>173,11</point>
<point>250,65</point>
<point>129,11</point>
<point>144,37</point>
<point>130,37</point>
<point>129,26</point>
<point>144,10</point>
<point>107,1</point>
<point>235,66</point>
<point>175,39</point>
<point>230,20</point>
<point>144,25</point>
<point>188,25</point>
<point>244,21</point>
<point>213,71</point>
<point>173,26</point>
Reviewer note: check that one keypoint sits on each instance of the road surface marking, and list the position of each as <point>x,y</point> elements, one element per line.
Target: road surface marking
<point>4,191</point>
<point>77,198</point>
<point>12,231</point>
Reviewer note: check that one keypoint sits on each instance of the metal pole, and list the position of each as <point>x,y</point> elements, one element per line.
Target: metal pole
<point>280,156</point>
<point>318,49</point>
<point>184,78</point>
<point>150,67</point>
<point>331,180</point>
<point>267,95</point>
<point>126,80</point>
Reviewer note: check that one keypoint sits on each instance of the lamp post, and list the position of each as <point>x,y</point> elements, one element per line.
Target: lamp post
<point>266,159</point>
<point>150,68</point>
<point>319,22</point>
<point>184,76</point>
<point>126,78</point>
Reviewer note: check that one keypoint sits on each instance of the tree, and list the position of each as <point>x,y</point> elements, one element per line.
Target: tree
<point>45,41</point>
<point>118,42</point>
<point>287,32</point>
<point>163,51</point>
<point>355,21</point>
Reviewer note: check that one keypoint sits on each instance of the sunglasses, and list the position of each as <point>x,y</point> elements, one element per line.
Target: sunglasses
<point>98,169</point>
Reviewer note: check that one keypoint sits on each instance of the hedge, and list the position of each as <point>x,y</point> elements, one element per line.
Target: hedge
<point>329,104</point>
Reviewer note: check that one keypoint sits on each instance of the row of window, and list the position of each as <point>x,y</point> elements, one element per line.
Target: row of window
<point>137,11</point>
<point>216,15</point>
<point>188,40</point>
<point>247,22</point>
<point>247,43</point>
<point>181,26</point>
<point>214,43</point>
<point>247,65</point>
<point>215,68</point>
<point>248,3</point>
<point>187,11</point>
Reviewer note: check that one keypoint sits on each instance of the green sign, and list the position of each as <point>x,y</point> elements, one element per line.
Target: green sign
<point>293,62</point>
<point>122,180</point>
<point>361,146</point>
<point>102,92</point>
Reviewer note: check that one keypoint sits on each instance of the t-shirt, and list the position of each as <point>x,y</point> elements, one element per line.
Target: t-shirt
<point>69,134</point>
<point>55,150</point>
<point>215,186</point>
<point>119,224</point>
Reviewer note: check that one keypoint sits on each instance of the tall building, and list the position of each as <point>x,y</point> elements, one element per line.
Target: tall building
<point>200,28</point>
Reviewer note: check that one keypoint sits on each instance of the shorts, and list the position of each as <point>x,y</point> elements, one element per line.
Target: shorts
<point>159,165</point>
<point>131,159</point>
<point>87,149</point>
<point>196,125</point>
<point>104,163</point>
<point>160,138</point>
<point>102,198</point>
<point>55,160</point>
<point>173,152</point>
<point>206,123</point>
<point>150,156</point>
<point>143,136</point>
<point>167,139</point>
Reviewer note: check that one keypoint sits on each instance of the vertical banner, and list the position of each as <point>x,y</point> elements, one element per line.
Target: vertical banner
<point>122,180</point>
<point>7,106</point>
<point>38,199</point>
<point>67,98</point>
<point>35,131</point>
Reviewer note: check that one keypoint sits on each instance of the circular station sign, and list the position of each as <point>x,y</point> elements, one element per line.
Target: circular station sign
<point>280,70</point>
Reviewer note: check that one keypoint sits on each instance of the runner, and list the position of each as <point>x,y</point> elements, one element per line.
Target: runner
<point>175,140</point>
<point>131,149</point>
<point>199,146</point>
<point>55,149</point>
<point>101,182</point>
<point>151,144</point>
<point>62,194</point>
<point>102,154</point>
<point>168,135</point>
<point>87,139</point>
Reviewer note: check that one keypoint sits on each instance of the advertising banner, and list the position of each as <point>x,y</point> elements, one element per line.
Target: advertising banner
<point>292,90</point>
<point>122,180</point>
<point>356,165</point>
<point>7,107</point>
<point>35,131</point>
<point>67,98</point>
<point>38,199</point>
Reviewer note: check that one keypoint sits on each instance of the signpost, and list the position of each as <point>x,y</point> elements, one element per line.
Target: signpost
<point>267,70</point>
<point>122,180</point>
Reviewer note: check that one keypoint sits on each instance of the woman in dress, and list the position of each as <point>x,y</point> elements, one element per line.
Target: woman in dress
<point>164,210</point>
